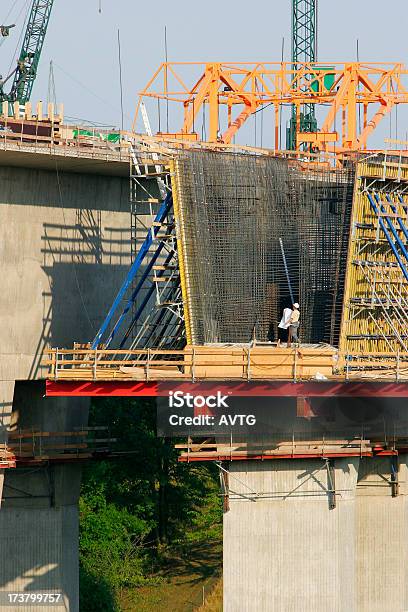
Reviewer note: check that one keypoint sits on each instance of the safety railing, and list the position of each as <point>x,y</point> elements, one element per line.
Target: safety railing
<point>28,446</point>
<point>385,366</point>
<point>54,138</point>
<point>193,363</point>
<point>292,448</point>
<point>224,363</point>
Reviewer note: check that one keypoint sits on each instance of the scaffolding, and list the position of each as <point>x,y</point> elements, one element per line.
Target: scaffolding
<point>157,307</point>
<point>148,309</point>
<point>237,238</point>
<point>242,363</point>
<point>375,317</point>
<point>37,447</point>
<point>209,449</point>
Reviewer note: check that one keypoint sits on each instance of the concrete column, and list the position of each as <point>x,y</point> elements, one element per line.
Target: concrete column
<point>39,516</point>
<point>40,554</point>
<point>64,251</point>
<point>382,537</point>
<point>6,406</point>
<point>285,548</point>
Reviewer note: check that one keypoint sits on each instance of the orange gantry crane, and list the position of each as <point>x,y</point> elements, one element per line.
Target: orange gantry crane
<point>243,88</point>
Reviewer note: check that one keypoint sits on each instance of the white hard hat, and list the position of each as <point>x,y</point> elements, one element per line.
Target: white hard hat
<point>296,305</point>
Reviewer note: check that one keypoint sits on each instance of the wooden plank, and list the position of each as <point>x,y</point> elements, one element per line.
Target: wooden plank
<point>44,434</point>
<point>24,445</point>
<point>283,444</point>
<point>60,456</point>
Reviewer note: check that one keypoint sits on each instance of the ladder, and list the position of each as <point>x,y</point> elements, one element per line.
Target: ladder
<point>148,309</point>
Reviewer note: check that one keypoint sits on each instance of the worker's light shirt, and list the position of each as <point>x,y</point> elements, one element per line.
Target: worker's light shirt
<point>285,321</point>
<point>295,316</point>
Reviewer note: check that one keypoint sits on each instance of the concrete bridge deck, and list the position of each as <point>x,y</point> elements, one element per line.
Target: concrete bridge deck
<point>68,157</point>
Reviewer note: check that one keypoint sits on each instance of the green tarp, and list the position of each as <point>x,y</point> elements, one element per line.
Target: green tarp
<point>112,137</point>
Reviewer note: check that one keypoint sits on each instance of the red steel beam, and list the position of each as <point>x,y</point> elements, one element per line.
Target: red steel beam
<point>7,464</point>
<point>72,388</point>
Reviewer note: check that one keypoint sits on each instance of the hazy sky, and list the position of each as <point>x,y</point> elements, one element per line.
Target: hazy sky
<point>83,44</point>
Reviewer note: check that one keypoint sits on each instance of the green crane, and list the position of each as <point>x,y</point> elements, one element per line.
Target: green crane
<point>304,49</point>
<point>25,72</point>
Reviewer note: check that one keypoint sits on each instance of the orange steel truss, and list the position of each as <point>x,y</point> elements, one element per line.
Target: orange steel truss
<point>244,88</point>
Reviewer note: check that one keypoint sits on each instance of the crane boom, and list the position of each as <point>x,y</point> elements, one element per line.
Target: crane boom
<point>28,60</point>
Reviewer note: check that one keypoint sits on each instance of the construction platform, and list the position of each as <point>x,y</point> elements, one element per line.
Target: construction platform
<point>35,447</point>
<point>207,286</point>
<point>43,141</point>
<point>224,363</point>
<point>211,450</point>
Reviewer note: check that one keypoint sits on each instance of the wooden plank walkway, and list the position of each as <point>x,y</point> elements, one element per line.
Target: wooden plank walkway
<point>229,362</point>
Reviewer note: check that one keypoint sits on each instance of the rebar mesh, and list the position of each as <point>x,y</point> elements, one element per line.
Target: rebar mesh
<point>235,208</point>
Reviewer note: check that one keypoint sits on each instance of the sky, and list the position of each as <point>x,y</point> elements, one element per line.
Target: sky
<point>82,42</point>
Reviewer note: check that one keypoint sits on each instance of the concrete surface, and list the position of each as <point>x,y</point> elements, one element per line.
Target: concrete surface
<point>68,159</point>
<point>64,251</point>
<point>39,552</point>
<point>285,550</point>
<point>382,538</point>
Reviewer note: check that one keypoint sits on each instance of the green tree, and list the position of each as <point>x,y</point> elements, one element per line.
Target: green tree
<point>142,502</point>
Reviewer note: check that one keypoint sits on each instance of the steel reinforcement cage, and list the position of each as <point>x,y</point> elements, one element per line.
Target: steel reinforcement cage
<point>256,232</point>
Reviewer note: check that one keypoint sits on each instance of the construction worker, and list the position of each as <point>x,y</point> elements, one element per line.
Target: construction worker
<point>283,325</point>
<point>294,325</point>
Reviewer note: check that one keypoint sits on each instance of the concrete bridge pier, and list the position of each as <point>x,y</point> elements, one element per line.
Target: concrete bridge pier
<point>39,514</point>
<point>316,536</point>
<point>65,246</point>
<point>382,535</point>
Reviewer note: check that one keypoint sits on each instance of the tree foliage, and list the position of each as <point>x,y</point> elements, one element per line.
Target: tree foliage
<point>134,508</point>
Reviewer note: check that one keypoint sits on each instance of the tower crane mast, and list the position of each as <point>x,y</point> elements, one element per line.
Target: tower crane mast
<point>304,50</point>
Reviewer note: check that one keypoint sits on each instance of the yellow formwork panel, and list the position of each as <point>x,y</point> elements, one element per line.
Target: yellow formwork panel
<point>391,168</point>
<point>376,290</point>
<point>184,280</point>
